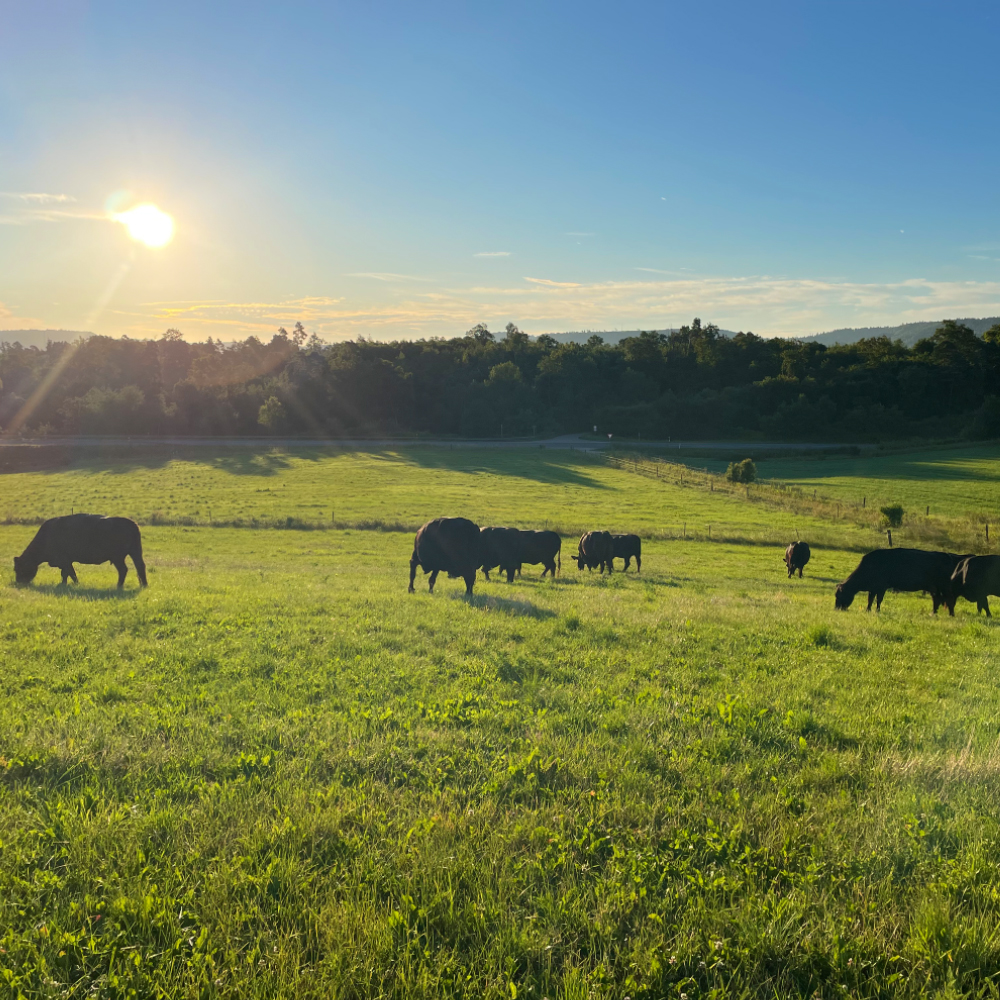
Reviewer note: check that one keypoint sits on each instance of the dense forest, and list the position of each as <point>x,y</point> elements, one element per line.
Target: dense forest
<point>691,383</point>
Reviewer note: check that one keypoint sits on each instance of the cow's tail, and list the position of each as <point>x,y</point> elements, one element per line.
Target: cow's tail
<point>559,562</point>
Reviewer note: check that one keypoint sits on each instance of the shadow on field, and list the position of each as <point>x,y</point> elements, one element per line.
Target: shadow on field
<point>516,609</point>
<point>556,468</point>
<point>522,463</point>
<point>81,593</point>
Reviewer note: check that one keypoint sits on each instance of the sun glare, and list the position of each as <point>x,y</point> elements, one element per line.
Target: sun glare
<point>147,224</point>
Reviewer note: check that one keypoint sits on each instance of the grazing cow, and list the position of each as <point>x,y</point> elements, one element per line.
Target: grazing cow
<point>500,547</point>
<point>796,556</point>
<point>83,538</point>
<point>627,547</point>
<point>901,569</point>
<point>543,547</point>
<point>976,578</point>
<point>596,549</point>
<point>447,545</point>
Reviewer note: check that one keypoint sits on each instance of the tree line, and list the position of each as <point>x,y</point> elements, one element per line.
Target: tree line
<point>689,383</point>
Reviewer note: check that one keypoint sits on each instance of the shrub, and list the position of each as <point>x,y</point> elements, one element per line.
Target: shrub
<point>272,414</point>
<point>742,472</point>
<point>893,515</point>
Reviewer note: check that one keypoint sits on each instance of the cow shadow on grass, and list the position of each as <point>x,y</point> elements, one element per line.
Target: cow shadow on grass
<point>79,593</point>
<point>505,606</point>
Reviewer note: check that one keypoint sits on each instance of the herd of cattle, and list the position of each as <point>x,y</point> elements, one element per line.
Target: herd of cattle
<point>460,548</point>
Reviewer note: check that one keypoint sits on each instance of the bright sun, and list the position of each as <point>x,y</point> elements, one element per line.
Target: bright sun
<point>147,224</point>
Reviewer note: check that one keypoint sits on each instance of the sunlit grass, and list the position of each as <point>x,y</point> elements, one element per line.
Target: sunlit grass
<point>274,773</point>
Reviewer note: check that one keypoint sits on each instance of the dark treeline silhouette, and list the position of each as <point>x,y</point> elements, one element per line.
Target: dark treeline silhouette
<point>692,383</point>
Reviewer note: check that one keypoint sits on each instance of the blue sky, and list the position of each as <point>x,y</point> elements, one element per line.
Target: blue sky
<point>394,169</point>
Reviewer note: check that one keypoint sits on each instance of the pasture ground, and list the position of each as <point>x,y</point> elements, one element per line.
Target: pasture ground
<point>275,773</point>
<point>950,481</point>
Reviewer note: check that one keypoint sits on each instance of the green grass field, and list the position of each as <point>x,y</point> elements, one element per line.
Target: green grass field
<point>952,482</point>
<point>565,490</point>
<point>274,773</point>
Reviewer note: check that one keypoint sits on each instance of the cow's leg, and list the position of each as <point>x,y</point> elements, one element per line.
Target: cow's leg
<point>413,573</point>
<point>72,573</point>
<point>984,605</point>
<point>65,574</point>
<point>871,599</point>
<point>628,562</point>
<point>433,580</point>
<point>122,568</point>
<point>800,572</point>
<point>638,564</point>
<point>937,603</point>
<point>486,573</point>
<point>510,574</point>
<point>878,600</point>
<point>470,579</point>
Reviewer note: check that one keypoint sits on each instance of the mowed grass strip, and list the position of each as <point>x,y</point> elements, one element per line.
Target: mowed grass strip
<point>275,773</point>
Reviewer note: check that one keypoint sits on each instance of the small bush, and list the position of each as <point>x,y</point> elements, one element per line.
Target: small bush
<point>893,515</point>
<point>742,472</point>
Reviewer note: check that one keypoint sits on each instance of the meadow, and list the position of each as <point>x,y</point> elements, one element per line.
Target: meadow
<point>275,773</point>
<point>950,482</point>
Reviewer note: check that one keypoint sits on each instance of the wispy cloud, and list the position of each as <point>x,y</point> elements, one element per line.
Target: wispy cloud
<point>37,198</point>
<point>553,284</point>
<point>769,305</point>
<point>492,253</point>
<point>385,276</point>
<point>10,321</point>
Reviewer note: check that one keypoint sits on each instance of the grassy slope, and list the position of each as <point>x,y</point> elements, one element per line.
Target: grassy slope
<point>569,491</point>
<point>276,773</point>
<point>950,481</point>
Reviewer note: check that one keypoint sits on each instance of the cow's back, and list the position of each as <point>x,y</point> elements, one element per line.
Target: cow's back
<point>627,545</point>
<point>979,576</point>
<point>84,538</point>
<point>905,569</point>
<point>538,545</point>
<point>449,544</point>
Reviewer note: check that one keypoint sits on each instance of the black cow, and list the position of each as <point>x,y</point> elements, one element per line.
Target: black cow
<point>627,547</point>
<point>901,570</point>
<point>500,547</point>
<point>83,538</point>
<point>976,578</point>
<point>447,545</point>
<point>796,556</point>
<point>543,547</point>
<point>596,549</point>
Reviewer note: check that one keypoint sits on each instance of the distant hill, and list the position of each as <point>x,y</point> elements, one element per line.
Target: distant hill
<point>39,338</point>
<point>908,333</point>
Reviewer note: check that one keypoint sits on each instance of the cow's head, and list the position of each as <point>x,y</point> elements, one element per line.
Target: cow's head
<point>581,560</point>
<point>842,600</point>
<point>24,572</point>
